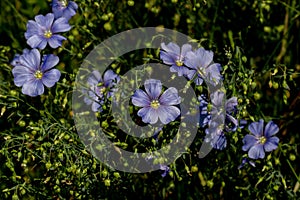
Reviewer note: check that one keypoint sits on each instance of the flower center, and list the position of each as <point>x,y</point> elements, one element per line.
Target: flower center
<point>38,74</point>
<point>155,104</point>
<point>48,34</point>
<point>262,140</point>
<point>179,63</point>
<point>64,3</point>
<point>102,90</point>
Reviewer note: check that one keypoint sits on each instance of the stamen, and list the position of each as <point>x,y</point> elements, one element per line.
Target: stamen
<point>48,34</point>
<point>64,3</point>
<point>179,63</point>
<point>102,90</point>
<point>262,140</point>
<point>155,104</point>
<point>38,74</point>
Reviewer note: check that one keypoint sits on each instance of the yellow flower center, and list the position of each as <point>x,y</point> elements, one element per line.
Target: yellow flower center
<point>48,34</point>
<point>179,63</point>
<point>155,104</point>
<point>262,140</point>
<point>102,90</point>
<point>38,74</point>
<point>64,3</point>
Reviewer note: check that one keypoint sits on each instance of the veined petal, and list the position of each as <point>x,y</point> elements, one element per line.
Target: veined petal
<point>271,129</point>
<point>153,88</point>
<point>148,114</point>
<point>170,97</point>
<point>212,72</point>
<point>205,57</point>
<point>73,5</point>
<point>60,25</point>
<point>21,75</point>
<point>110,76</point>
<point>271,144</point>
<point>37,41</point>
<point>51,77</point>
<point>257,127</point>
<point>96,106</point>
<point>192,60</point>
<point>69,12</point>
<point>167,58</point>
<point>171,48</point>
<point>49,61</point>
<point>217,99</point>
<point>249,141</point>
<point>257,151</point>
<point>45,21</point>
<point>33,88</point>
<point>56,41</point>
<point>140,98</point>
<point>33,28</point>
<point>31,60</point>
<point>185,48</point>
<point>94,78</point>
<point>167,114</point>
<point>231,104</point>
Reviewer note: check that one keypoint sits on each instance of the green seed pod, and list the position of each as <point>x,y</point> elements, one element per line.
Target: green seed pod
<point>130,3</point>
<point>194,169</point>
<point>107,182</point>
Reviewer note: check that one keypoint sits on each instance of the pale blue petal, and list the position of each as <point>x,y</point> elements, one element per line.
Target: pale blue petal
<point>167,114</point>
<point>185,48</point>
<point>33,28</point>
<point>109,77</point>
<point>56,41</point>
<point>51,77</point>
<point>148,114</point>
<point>192,60</point>
<point>231,104</point>
<point>140,98</point>
<point>37,41</point>
<point>33,88</point>
<point>60,25</point>
<point>21,75</point>
<point>171,48</point>
<point>256,152</point>
<point>49,61</point>
<point>153,88</point>
<point>94,78</point>
<point>257,127</point>
<point>170,97</point>
<point>45,21</point>
<point>31,60</point>
<point>271,129</point>
<point>271,144</point>
<point>249,141</point>
<point>167,58</point>
<point>205,57</point>
<point>96,106</point>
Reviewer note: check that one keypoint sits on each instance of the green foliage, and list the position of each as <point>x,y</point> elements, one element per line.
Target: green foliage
<point>256,42</point>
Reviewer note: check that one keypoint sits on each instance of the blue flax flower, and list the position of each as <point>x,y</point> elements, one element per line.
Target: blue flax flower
<point>100,89</point>
<point>32,74</point>
<point>156,105</point>
<point>44,30</point>
<point>261,140</point>
<point>246,161</point>
<point>171,54</point>
<point>217,132</point>
<point>201,63</point>
<point>64,8</point>
<point>205,117</point>
<point>164,169</point>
